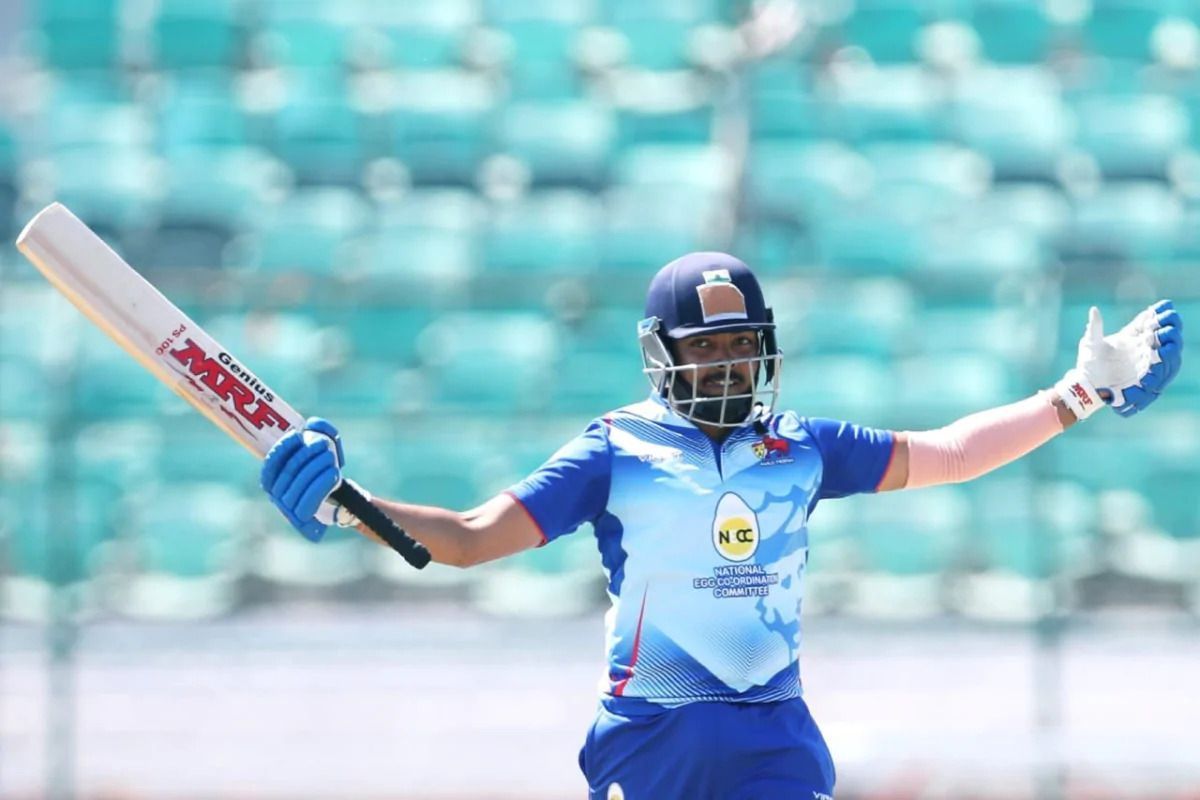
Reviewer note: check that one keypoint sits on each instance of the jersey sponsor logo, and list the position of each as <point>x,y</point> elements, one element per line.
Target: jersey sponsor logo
<point>720,298</point>
<point>772,451</point>
<point>232,383</point>
<point>735,528</point>
<point>822,796</point>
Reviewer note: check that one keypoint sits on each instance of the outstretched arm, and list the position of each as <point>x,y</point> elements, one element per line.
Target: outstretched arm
<point>1126,370</point>
<point>498,528</point>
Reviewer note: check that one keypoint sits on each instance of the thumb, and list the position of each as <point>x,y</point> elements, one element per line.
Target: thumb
<point>1094,332</point>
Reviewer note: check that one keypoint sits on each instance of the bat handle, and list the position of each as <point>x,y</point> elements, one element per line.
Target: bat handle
<point>384,526</point>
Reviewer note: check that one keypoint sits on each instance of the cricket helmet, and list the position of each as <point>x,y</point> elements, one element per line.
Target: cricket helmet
<point>706,293</point>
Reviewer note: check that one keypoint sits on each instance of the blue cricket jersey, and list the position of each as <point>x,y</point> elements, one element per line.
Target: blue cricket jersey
<point>704,544</point>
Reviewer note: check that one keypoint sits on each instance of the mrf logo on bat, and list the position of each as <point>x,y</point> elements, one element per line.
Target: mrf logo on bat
<point>231,382</point>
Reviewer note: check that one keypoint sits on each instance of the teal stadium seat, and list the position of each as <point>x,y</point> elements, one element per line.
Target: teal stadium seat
<point>913,533</point>
<point>120,455</point>
<point>567,142</point>
<point>1122,29</point>
<point>549,233</point>
<point>200,112</point>
<point>979,259</point>
<point>1014,31</point>
<point>960,328</point>
<point>428,265</point>
<point>446,471</point>
<point>115,191</point>
<point>1013,532</point>
<point>441,125</point>
<point>539,56</point>
<point>659,36</point>
<point>886,29</point>
<point>189,547</point>
<point>934,390</point>
<point>871,318</point>
<point>83,35</point>
<point>490,361</point>
<point>108,384</point>
<point>667,107</point>
<point>386,333</point>
<point>1040,209</point>
<point>894,102</point>
<point>798,182</point>
<point>198,34</point>
<point>648,226</point>
<point>784,104</point>
<point>590,383</point>
<point>192,530</point>
<point>310,232</point>
<point>1015,117</point>
<point>212,196</point>
<point>57,537</point>
<point>315,39</point>
<point>925,180</point>
<point>863,240</point>
<point>421,35</point>
<point>856,388</point>
<point>906,544</point>
<point>190,450</point>
<point>708,169</point>
<point>426,247</point>
<point>1132,137</point>
<point>1130,221</point>
<point>9,190</point>
<point>323,136</point>
<point>367,387</point>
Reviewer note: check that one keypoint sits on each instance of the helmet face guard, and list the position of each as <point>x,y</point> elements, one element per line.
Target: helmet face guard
<point>676,382</point>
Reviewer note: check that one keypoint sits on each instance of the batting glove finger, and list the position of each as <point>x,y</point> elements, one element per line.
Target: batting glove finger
<point>298,461</point>
<point>277,458</point>
<point>1156,378</point>
<point>318,476</point>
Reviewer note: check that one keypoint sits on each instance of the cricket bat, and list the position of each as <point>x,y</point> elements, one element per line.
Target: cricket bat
<point>177,351</point>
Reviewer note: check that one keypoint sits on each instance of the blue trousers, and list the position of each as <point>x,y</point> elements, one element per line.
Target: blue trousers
<point>709,751</point>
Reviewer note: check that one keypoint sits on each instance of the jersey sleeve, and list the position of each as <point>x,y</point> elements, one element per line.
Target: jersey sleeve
<point>571,487</point>
<point>855,458</point>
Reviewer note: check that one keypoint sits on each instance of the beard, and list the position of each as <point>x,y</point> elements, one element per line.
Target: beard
<point>707,408</point>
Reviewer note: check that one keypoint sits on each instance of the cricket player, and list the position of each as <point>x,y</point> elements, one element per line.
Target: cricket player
<point>699,497</point>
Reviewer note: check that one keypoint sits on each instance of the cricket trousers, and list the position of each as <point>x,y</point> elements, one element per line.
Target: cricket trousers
<point>709,751</point>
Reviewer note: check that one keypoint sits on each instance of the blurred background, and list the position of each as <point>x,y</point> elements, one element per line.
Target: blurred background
<point>433,223</point>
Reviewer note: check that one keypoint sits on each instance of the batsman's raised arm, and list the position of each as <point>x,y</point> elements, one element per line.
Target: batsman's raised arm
<point>1127,370</point>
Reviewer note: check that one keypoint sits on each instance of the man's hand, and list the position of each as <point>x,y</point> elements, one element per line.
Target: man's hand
<point>1128,369</point>
<point>300,472</point>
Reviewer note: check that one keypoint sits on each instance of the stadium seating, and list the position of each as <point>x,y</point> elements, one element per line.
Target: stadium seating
<point>434,222</point>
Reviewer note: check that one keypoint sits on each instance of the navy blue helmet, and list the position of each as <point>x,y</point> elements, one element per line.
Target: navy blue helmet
<point>706,293</point>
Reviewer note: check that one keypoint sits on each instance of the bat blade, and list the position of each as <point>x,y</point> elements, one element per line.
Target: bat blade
<point>153,330</point>
<point>176,350</point>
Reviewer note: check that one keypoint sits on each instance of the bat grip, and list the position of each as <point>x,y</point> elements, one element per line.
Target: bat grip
<point>384,526</point>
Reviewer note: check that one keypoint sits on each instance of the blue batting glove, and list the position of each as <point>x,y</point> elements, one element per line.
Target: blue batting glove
<point>1162,326</point>
<point>300,471</point>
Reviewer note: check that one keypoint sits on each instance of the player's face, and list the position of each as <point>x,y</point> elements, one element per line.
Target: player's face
<point>713,348</point>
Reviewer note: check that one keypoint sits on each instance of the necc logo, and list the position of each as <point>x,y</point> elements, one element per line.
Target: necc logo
<point>735,528</point>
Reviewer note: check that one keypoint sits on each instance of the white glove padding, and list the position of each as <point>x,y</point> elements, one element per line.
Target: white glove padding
<point>330,512</point>
<point>1116,362</point>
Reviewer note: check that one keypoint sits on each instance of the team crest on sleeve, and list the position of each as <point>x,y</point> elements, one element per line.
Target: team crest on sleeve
<point>770,450</point>
<point>720,298</point>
